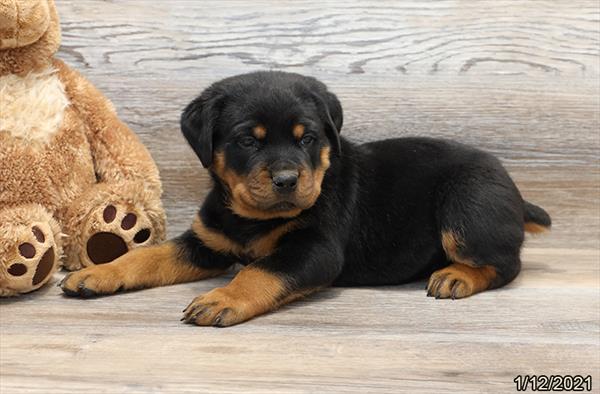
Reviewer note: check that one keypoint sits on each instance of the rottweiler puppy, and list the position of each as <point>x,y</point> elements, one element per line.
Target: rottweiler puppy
<point>302,208</point>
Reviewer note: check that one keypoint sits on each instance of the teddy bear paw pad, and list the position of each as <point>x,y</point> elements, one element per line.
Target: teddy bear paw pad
<point>33,259</point>
<point>117,230</point>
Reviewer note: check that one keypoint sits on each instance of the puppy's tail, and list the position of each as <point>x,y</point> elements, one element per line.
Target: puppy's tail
<point>536,219</point>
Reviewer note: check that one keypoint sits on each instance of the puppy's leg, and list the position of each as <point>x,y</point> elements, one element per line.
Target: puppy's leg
<point>303,262</point>
<point>184,259</point>
<point>481,222</point>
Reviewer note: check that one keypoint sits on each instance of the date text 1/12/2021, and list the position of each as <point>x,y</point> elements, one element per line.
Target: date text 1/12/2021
<point>553,383</point>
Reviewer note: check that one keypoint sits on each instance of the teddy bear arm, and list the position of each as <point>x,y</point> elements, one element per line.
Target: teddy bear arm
<point>119,156</point>
<point>123,209</point>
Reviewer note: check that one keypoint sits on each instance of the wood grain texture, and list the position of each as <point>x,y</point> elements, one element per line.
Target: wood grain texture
<point>391,339</point>
<point>519,79</point>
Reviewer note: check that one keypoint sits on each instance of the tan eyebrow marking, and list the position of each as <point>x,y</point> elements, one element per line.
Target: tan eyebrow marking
<point>298,131</point>
<point>259,131</point>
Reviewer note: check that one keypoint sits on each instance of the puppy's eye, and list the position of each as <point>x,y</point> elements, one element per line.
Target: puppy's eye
<point>248,142</point>
<point>307,140</point>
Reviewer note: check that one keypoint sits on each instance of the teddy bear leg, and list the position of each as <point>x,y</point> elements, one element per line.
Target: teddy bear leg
<point>30,249</point>
<point>113,229</point>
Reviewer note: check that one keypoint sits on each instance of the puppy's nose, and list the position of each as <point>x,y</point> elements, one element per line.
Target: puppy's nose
<point>285,180</point>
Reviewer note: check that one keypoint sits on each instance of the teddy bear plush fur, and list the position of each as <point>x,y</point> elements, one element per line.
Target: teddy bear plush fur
<point>77,187</point>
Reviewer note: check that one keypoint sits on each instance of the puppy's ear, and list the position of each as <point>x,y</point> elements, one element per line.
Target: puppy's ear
<point>330,112</point>
<point>335,110</point>
<point>328,107</point>
<point>198,123</point>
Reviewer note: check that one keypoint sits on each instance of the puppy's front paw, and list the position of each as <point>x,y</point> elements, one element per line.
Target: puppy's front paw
<point>92,282</point>
<point>219,307</point>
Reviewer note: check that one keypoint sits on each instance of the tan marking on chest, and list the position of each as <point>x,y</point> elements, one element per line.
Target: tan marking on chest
<point>257,248</point>
<point>32,107</point>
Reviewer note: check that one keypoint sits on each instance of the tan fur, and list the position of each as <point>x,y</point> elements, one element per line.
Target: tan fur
<point>22,22</point>
<point>8,24</point>
<point>62,146</point>
<point>260,247</point>
<point>158,265</point>
<point>252,292</point>
<point>243,206</point>
<point>53,174</point>
<point>296,295</point>
<point>298,131</point>
<point>451,242</point>
<point>119,152</point>
<point>535,228</point>
<point>259,132</point>
<point>215,240</point>
<point>37,55</point>
<point>41,96</point>
<point>248,194</point>
<point>319,174</point>
<point>265,245</point>
<point>460,280</point>
<point>243,202</point>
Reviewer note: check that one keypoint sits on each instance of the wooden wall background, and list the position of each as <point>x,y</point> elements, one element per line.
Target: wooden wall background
<point>520,79</point>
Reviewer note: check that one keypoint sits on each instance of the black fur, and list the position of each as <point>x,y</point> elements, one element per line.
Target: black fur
<point>383,205</point>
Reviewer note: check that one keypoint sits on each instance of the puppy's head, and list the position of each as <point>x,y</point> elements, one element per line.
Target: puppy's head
<point>268,138</point>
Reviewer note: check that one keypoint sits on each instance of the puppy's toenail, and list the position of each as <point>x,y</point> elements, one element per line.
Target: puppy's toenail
<point>87,293</point>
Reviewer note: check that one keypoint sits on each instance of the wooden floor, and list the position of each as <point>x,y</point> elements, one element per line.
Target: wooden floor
<point>519,79</point>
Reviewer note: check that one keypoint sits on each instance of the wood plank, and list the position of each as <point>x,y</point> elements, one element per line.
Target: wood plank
<point>341,340</point>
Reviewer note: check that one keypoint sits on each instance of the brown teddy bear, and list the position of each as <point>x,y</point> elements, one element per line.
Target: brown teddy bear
<point>73,177</point>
